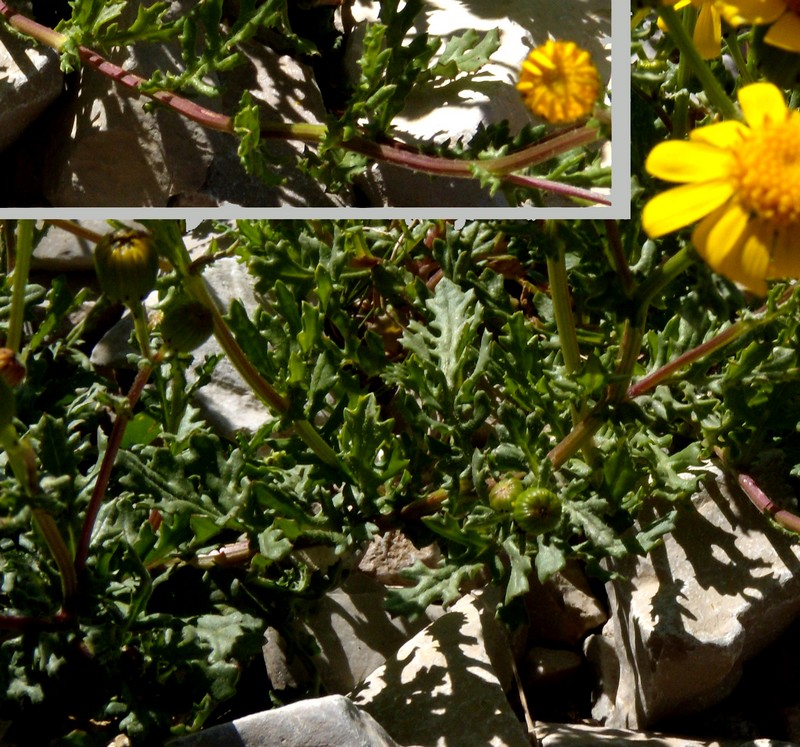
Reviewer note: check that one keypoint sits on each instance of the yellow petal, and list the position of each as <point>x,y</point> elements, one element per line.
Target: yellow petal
<point>785,32</point>
<point>708,32</point>
<point>680,206</point>
<point>722,134</point>
<point>681,161</point>
<point>716,238</point>
<point>762,102</point>
<point>752,11</point>
<point>720,239</point>
<point>785,254</point>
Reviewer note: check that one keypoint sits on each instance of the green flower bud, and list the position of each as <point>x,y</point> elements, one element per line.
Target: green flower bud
<point>503,493</point>
<point>186,325</point>
<point>7,405</point>
<point>126,262</point>
<point>12,371</point>
<point>537,510</point>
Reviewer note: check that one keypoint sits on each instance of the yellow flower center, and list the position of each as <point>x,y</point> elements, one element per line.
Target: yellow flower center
<point>767,171</point>
<point>559,82</point>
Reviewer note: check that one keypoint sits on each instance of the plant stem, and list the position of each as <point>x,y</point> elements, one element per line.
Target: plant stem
<point>106,467</point>
<point>562,308</point>
<point>196,287</point>
<point>732,42</point>
<point>716,95</point>
<point>617,389</point>
<point>765,504</point>
<point>651,381</point>
<point>718,341</point>
<point>22,266</point>
<point>139,314</point>
<point>22,459</point>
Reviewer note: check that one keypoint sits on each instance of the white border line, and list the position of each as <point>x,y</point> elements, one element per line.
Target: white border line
<point>620,207</point>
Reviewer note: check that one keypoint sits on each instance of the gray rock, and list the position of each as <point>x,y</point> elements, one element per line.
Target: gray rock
<point>286,92</point>
<point>391,552</point>
<point>563,609</point>
<point>30,79</point>
<point>580,735</point>
<point>332,721</point>
<point>724,584</point>
<point>354,632</point>
<point>111,152</point>
<point>442,687</point>
<point>550,665</point>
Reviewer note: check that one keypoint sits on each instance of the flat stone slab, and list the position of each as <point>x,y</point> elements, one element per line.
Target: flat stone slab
<point>723,585</point>
<point>442,688</point>
<point>30,79</point>
<point>322,722</point>
<point>579,735</point>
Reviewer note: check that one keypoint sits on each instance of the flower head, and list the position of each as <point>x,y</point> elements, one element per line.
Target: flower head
<point>559,82</point>
<point>743,181</point>
<point>783,15</point>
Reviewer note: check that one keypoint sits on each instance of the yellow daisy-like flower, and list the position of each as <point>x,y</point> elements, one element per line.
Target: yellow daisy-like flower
<point>707,35</point>
<point>743,181</point>
<point>784,15</point>
<point>559,82</point>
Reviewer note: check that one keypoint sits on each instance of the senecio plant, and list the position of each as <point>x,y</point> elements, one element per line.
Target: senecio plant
<point>558,81</point>
<point>522,394</point>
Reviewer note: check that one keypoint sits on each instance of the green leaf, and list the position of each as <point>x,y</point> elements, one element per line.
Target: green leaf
<point>518,583</point>
<point>467,53</point>
<point>442,584</point>
<point>550,559</point>
<point>454,320</point>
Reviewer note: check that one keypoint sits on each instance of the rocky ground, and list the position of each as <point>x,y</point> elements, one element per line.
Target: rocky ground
<point>696,644</point>
<point>83,141</point>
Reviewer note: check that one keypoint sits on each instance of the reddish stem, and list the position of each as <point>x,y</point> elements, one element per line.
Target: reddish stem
<point>103,477</point>
<point>765,504</point>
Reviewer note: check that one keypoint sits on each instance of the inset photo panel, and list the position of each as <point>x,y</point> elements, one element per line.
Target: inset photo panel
<point>326,105</point>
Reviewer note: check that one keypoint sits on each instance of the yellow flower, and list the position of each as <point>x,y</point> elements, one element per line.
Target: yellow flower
<point>559,82</point>
<point>708,28</point>
<point>784,15</point>
<point>743,181</point>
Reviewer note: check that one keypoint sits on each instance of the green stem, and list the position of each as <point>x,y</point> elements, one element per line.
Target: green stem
<point>621,265</point>
<point>732,42</point>
<point>22,459</point>
<point>22,266</point>
<point>562,308</point>
<point>196,287</point>
<point>139,315</point>
<point>716,95</point>
<point>617,389</point>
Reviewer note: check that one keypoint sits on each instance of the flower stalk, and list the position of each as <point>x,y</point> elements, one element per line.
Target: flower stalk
<point>683,41</point>
<point>22,266</point>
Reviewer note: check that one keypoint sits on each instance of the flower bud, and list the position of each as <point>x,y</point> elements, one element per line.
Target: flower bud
<point>126,262</point>
<point>186,325</point>
<point>537,510</point>
<point>503,493</point>
<point>12,371</point>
